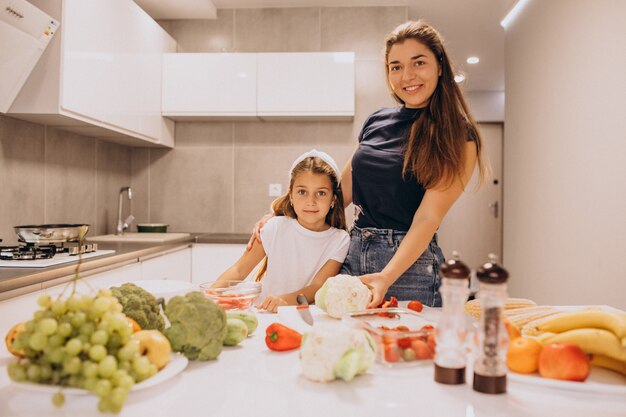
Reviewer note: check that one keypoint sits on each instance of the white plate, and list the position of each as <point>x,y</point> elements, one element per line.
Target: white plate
<point>175,366</point>
<point>600,380</point>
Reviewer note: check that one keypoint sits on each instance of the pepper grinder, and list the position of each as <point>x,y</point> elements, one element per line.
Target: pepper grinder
<point>452,329</point>
<point>490,365</point>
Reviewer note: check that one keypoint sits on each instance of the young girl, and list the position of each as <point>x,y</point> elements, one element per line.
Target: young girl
<point>306,242</point>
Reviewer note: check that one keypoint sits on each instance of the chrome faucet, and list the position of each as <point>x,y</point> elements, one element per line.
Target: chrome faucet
<point>123,226</point>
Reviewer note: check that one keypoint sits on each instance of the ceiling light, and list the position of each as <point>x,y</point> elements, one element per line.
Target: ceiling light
<point>459,78</point>
<point>513,12</point>
<point>473,60</point>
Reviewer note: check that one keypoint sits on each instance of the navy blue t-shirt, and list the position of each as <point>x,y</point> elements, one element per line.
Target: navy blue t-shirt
<point>383,197</point>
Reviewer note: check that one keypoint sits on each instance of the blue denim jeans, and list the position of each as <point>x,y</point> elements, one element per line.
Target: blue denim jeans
<point>370,251</point>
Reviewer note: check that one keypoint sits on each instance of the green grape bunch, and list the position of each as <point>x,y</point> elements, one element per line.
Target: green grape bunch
<point>81,342</point>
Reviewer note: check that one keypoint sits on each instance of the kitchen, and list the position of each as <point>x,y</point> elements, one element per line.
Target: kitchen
<point>558,247</point>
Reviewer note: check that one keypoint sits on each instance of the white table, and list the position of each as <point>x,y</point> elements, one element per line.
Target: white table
<point>250,380</point>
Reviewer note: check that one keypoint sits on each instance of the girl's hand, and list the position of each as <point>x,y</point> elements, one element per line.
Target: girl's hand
<point>271,303</point>
<point>256,231</point>
<point>378,287</point>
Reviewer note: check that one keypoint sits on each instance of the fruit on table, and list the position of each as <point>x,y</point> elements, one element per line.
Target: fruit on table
<point>81,341</point>
<point>523,355</point>
<point>564,361</point>
<point>609,363</point>
<point>10,338</point>
<point>593,341</point>
<point>155,346</point>
<point>588,318</point>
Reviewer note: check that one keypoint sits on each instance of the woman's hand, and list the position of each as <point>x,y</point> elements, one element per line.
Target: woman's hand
<point>377,285</point>
<point>271,303</point>
<point>256,231</point>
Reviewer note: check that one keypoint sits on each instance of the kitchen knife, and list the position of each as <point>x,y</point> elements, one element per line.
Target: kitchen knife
<point>303,309</point>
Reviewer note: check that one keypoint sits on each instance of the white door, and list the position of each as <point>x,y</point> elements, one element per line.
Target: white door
<point>473,226</point>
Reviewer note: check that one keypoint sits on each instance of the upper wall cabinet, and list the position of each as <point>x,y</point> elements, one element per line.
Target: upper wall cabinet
<point>221,85</point>
<point>306,85</point>
<point>103,75</point>
<point>269,86</point>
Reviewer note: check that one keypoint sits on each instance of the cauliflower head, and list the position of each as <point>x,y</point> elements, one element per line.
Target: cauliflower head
<point>198,326</point>
<point>342,294</point>
<point>140,305</point>
<point>328,353</point>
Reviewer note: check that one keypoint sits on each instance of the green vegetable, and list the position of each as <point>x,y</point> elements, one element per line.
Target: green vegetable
<point>140,305</point>
<point>198,326</point>
<point>348,366</point>
<point>248,317</point>
<point>236,332</point>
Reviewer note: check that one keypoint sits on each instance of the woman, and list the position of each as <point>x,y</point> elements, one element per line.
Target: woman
<point>412,163</point>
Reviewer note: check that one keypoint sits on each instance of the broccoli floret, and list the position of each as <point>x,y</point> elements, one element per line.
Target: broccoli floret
<point>140,305</point>
<point>198,326</point>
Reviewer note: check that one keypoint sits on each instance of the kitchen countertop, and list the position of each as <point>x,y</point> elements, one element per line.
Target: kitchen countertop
<point>18,281</point>
<point>250,380</point>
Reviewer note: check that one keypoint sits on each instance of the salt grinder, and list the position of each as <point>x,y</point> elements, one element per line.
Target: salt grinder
<point>452,328</point>
<point>490,365</point>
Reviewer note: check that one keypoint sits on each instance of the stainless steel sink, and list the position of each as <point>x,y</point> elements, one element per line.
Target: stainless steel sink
<point>140,237</point>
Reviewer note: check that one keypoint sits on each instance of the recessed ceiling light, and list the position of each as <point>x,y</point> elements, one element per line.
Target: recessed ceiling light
<point>473,60</point>
<point>459,78</point>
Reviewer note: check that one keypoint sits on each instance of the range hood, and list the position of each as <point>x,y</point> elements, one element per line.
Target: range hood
<point>25,32</point>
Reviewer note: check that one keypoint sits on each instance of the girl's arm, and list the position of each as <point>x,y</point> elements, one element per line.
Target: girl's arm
<point>330,269</point>
<point>244,265</point>
<point>434,206</point>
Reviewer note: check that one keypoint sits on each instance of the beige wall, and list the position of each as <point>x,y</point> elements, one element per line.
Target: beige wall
<point>565,189</point>
<point>217,177</point>
<point>52,176</point>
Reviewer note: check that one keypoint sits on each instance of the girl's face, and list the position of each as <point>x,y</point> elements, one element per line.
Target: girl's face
<point>413,72</point>
<point>311,196</point>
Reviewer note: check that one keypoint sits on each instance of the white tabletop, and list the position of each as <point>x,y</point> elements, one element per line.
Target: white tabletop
<point>250,380</point>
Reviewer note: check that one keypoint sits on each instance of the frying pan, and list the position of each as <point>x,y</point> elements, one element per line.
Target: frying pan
<point>51,233</point>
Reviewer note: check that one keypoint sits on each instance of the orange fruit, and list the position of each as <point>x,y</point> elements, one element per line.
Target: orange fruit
<point>523,355</point>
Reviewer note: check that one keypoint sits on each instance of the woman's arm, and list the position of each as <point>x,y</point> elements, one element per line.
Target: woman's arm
<point>244,265</point>
<point>330,269</point>
<point>433,208</point>
<point>346,183</point>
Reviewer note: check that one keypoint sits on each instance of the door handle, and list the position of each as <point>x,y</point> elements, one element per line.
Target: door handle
<point>494,207</point>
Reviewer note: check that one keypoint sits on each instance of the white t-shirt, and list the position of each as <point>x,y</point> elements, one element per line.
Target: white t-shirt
<point>295,254</point>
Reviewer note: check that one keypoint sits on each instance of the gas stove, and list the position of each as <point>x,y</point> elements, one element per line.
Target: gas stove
<point>29,255</point>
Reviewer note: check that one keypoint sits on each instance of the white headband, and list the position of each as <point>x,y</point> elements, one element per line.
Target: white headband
<point>319,154</point>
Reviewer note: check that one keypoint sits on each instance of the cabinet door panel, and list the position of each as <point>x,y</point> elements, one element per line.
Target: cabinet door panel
<point>208,261</point>
<point>206,84</point>
<point>306,84</point>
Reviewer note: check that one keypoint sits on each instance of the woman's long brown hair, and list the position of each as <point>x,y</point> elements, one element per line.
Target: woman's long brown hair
<point>435,151</point>
<point>336,216</point>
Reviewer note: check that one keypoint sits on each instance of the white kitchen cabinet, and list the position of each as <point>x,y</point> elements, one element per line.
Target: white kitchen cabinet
<point>209,260</point>
<point>200,85</point>
<point>266,86</point>
<point>102,75</point>
<point>306,85</point>
<point>174,266</point>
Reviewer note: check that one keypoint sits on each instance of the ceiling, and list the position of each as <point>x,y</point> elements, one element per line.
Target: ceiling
<point>470,27</point>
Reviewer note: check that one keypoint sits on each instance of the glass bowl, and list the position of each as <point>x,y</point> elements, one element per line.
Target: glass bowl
<point>232,295</point>
<point>402,336</point>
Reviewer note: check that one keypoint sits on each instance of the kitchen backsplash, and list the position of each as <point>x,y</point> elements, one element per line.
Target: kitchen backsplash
<point>217,177</point>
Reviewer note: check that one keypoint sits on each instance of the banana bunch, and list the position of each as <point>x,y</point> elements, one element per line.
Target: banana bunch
<point>601,333</point>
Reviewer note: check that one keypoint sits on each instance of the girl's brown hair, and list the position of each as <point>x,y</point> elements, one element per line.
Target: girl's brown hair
<point>435,151</point>
<point>336,216</point>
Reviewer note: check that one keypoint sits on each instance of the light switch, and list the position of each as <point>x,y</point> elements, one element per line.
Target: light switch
<point>276,190</point>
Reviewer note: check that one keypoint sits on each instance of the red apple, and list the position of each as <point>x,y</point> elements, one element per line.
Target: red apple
<point>564,361</point>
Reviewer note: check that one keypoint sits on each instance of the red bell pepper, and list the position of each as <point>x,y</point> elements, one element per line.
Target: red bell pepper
<point>281,338</point>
